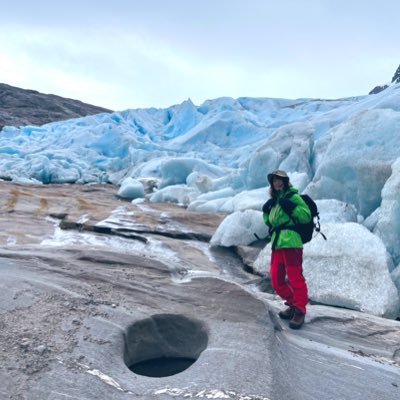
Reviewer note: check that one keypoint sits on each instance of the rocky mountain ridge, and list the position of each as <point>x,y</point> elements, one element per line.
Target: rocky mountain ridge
<point>395,79</point>
<point>19,107</point>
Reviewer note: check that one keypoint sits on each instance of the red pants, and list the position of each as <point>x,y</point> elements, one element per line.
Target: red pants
<point>289,262</point>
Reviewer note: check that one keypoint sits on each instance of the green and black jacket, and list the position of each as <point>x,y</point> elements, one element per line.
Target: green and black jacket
<point>277,220</point>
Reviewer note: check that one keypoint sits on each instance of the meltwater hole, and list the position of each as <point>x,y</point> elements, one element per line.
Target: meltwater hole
<point>164,345</point>
<point>163,366</point>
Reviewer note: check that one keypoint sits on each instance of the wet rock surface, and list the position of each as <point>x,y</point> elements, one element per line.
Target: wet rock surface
<point>90,283</point>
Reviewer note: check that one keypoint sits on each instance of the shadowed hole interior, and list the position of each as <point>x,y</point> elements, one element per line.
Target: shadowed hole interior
<point>164,344</point>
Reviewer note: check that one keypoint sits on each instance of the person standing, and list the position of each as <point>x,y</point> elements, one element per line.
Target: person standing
<point>281,213</point>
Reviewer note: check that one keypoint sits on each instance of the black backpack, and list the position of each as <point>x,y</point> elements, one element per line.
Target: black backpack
<point>306,230</point>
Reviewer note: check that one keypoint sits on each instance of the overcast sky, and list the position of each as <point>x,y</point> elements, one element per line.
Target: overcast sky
<point>124,54</point>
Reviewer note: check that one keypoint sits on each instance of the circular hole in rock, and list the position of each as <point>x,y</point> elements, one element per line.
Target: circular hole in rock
<point>164,344</point>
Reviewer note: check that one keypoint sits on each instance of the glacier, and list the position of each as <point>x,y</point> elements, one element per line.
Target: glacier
<point>215,158</point>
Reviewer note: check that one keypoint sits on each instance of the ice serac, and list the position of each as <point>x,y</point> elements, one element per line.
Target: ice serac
<point>183,117</point>
<point>245,224</point>
<point>358,159</point>
<point>289,148</point>
<point>176,170</point>
<point>335,211</point>
<point>131,189</point>
<point>388,224</point>
<point>395,275</point>
<point>179,194</point>
<point>351,269</point>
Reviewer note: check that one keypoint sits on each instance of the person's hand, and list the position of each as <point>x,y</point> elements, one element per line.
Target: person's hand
<point>268,205</point>
<point>287,205</point>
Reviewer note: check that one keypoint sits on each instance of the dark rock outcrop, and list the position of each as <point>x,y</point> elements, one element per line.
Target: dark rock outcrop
<point>396,76</point>
<point>19,107</point>
<point>380,88</point>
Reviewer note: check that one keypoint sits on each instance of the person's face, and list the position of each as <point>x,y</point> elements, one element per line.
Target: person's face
<point>277,183</point>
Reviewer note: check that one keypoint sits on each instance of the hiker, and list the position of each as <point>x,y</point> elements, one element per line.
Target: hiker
<point>280,213</point>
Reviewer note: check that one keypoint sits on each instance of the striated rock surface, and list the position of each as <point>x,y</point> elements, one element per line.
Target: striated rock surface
<point>121,285</point>
<point>19,107</point>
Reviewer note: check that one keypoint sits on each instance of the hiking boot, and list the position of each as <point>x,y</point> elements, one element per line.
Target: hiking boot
<point>287,313</point>
<point>297,320</point>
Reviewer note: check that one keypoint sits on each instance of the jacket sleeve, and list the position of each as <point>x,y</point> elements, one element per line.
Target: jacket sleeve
<point>301,213</point>
<point>266,219</point>
<point>266,210</point>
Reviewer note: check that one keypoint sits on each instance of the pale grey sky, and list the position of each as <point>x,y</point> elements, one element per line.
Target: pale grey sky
<point>155,53</point>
